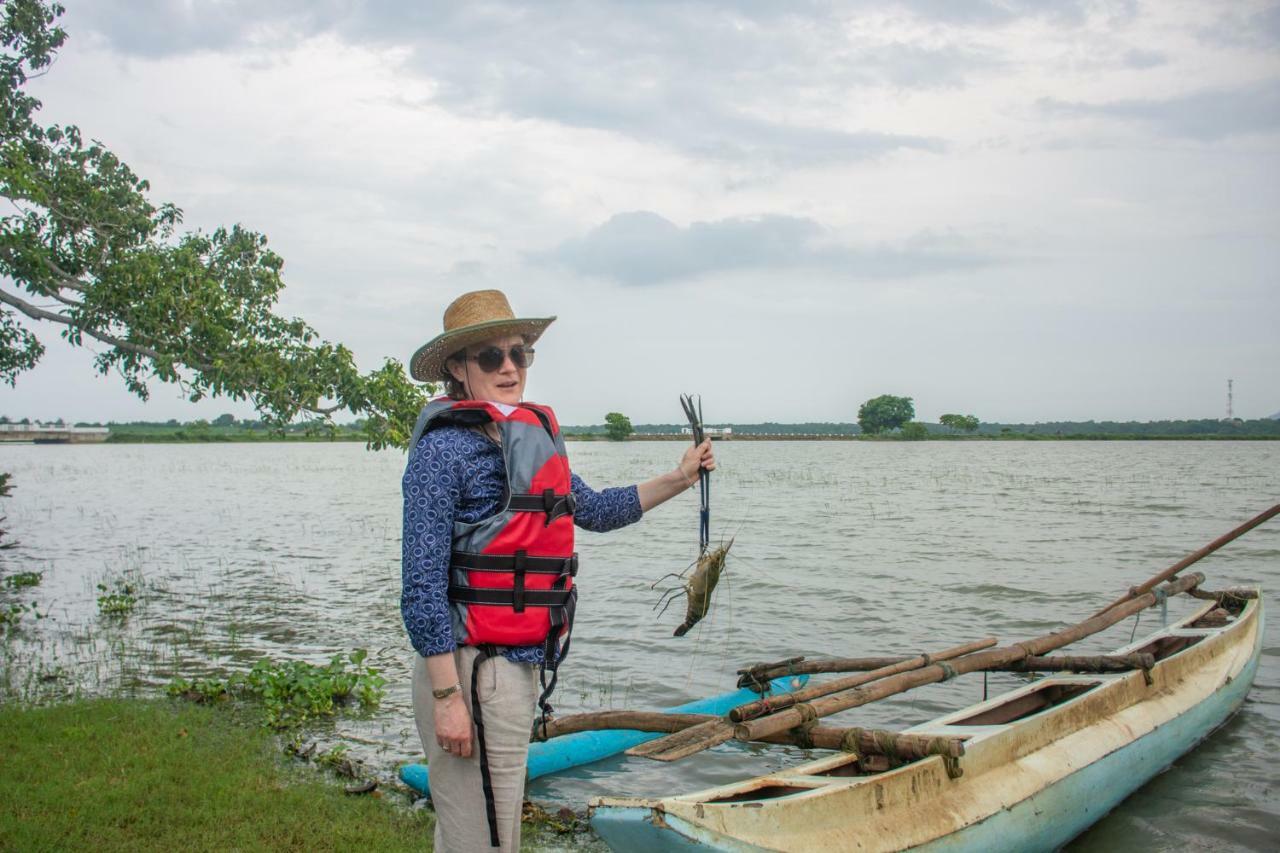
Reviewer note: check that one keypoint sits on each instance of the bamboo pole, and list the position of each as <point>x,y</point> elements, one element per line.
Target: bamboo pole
<point>1080,663</point>
<point>1193,557</point>
<point>640,721</point>
<point>712,732</point>
<point>762,673</point>
<point>770,704</point>
<point>1076,663</point>
<point>855,697</point>
<point>862,741</point>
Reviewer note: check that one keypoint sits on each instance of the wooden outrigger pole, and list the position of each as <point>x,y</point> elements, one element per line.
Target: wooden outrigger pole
<point>1193,557</point>
<point>762,673</point>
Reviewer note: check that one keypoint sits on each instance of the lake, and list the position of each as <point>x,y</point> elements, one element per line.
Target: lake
<point>841,548</point>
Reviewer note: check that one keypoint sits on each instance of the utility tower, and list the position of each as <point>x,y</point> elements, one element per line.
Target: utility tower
<point>1230,415</point>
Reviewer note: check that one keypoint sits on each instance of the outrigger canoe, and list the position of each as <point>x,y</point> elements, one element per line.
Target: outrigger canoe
<point>1027,770</point>
<point>1040,763</point>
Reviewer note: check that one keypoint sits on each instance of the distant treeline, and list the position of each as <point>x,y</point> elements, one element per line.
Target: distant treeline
<point>1206,427</point>
<point>816,428</point>
<point>1188,429</point>
<point>226,428</point>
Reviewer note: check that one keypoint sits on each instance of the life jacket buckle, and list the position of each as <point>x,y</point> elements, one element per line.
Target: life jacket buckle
<point>556,506</point>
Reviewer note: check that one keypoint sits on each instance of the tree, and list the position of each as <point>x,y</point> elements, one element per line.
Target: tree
<point>884,413</point>
<point>961,423</point>
<point>914,431</point>
<point>617,426</point>
<point>225,420</point>
<point>84,250</point>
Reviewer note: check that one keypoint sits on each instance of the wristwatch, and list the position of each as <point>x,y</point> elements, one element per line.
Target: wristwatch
<point>446,692</point>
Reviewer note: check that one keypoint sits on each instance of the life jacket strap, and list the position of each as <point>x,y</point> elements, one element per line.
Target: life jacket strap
<point>503,597</point>
<point>507,563</point>
<point>553,652</point>
<point>486,780</point>
<point>554,505</point>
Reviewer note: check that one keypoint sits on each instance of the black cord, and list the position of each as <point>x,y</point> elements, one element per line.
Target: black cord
<point>704,476</point>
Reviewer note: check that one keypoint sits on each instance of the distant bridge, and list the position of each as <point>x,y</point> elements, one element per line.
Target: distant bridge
<point>51,434</point>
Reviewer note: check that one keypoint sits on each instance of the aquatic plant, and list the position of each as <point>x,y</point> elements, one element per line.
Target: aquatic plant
<point>23,579</point>
<point>11,614</point>
<point>117,600</point>
<point>292,692</point>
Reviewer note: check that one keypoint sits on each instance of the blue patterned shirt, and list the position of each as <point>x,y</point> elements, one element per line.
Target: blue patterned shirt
<point>456,474</point>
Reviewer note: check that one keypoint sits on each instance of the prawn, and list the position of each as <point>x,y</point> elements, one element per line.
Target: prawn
<point>697,587</point>
<point>707,569</point>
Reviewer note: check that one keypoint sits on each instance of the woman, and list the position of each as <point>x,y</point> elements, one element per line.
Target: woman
<point>488,598</point>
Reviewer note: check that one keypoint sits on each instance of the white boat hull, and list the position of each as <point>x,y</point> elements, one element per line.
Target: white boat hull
<point>1030,784</point>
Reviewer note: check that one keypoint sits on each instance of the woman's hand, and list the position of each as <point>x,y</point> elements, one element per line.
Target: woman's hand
<point>453,725</point>
<point>695,458</point>
<point>666,486</point>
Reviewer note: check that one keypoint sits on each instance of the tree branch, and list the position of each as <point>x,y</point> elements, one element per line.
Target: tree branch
<point>64,300</point>
<point>67,280</point>
<point>37,313</point>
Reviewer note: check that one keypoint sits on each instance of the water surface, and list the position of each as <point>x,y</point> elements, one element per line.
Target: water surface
<point>844,548</point>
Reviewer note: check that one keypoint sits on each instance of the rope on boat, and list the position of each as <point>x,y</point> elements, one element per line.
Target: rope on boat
<point>852,743</point>
<point>948,671</point>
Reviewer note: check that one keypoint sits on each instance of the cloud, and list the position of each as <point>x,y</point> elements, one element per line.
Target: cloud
<point>1205,116</point>
<point>642,248</point>
<point>1141,59</point>
<point>158,28</point>
<point>1239,26</point>
<point>720,81</point>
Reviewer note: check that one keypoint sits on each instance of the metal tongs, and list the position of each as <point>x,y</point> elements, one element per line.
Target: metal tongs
<point>694,414</point>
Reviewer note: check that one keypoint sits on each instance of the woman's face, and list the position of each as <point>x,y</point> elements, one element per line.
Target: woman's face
<point>504,385</point>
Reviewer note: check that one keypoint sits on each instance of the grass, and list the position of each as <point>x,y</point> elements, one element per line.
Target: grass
<point>136,775</point>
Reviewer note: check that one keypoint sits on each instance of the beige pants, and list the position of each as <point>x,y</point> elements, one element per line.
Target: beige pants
<point>508,696</point>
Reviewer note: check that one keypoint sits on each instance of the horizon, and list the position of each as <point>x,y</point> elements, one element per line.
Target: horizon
<point>638,424</point>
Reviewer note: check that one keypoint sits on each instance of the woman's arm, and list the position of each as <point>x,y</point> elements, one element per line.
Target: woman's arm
<point>664,487</point>
<point>432,490</point>
<point>610,509</point>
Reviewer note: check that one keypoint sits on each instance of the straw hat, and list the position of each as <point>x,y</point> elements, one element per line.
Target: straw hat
<point>472,318</point>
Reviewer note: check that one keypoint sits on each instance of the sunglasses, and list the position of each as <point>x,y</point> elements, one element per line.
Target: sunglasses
<point>490,359</point>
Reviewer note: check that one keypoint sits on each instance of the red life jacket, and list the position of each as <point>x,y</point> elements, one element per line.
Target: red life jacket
<point>511,575</point>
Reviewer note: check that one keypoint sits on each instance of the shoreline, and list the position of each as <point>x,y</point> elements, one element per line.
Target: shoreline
<point>251,438</point>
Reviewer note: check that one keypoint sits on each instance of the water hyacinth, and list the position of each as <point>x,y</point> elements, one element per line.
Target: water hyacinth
<point>291,692</point>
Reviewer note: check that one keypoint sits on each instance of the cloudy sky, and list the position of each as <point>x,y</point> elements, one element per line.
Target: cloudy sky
<point>1024,210</point>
